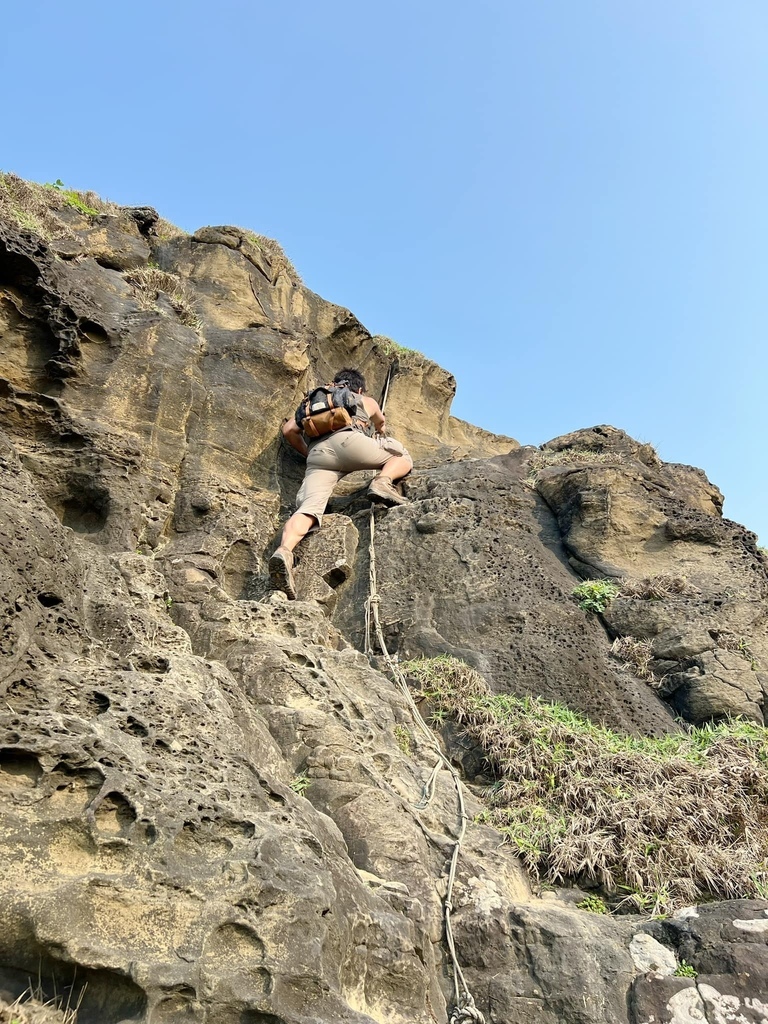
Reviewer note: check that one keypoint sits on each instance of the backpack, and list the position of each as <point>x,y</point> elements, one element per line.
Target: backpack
<point>325,409</point>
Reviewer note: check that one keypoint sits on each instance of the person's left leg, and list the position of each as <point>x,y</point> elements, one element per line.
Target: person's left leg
<point>312,498</point>
<point>296,529</point>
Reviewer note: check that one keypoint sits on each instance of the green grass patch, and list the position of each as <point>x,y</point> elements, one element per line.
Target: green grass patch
<point>654,823</point>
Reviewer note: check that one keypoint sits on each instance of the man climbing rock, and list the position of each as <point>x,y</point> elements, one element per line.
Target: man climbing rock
<point>361,445</point>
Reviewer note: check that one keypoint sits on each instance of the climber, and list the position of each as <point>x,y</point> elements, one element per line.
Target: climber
<point>363,445</point>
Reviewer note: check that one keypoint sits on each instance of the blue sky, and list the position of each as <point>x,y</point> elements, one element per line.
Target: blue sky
<point>563,203</point>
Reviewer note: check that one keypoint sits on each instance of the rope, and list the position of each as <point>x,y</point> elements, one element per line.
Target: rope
<point>387,382</point>
<point>465,1011</point>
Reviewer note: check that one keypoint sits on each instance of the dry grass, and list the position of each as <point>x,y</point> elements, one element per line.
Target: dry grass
<point>655,588</point>
<point>638,654</point>
<point>544,458</point>
<point>276,255</point>
<point>654,823</point>
<point>33,207</point>
<point>166,232</point>
<point>392,349</point>
<point>728,641</point>
<point>149,281</point>
<point>31,1007</point>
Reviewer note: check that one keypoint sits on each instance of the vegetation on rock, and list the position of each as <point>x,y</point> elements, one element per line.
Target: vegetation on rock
<point>34,207</point>
<point>595,595</point>
<point>655,588</point>
<point>391,348</point>
<point>546,457</point>
<point>636,653</point>
<point>655,823</point>
<point>149,280</point>
<point>275,253</point>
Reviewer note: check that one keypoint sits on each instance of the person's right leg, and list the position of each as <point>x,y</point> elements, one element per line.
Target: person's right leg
<point>358,451</point>
<point>398,466</point>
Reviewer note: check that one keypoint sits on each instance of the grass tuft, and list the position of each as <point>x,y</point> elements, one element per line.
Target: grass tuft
<point>33,207</point>
<point>32,1007</point>
<point>275,254</point>
<point>636,653</point>
<point>391,349</point>
<point>655,588</point>
<point>655,823</point>
<point>148,281</point>
<point>568,457</point>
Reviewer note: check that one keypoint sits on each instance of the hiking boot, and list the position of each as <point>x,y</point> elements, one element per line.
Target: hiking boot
<point>281,572</point>
<point>382,489</point>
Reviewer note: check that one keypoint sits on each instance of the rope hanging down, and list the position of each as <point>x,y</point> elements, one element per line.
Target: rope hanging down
<point>464,1011</point>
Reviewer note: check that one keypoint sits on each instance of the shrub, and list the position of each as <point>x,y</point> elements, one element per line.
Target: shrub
<point>148,281</point>
<point>656,823</point>
<point>595,595</point>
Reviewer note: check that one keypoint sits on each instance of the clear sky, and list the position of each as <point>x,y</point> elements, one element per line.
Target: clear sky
<point>563,202</point>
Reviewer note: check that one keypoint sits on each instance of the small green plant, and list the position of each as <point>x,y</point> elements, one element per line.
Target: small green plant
<point>593,904</point>
<point>72,198</point>
<point>403,738</point>
<point>300,783</point>
<point>685,970</point>
<point>595,595</point>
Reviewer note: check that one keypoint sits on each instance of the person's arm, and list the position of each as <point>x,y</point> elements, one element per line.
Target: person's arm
<point>375,414</point>
<point>293,435</point>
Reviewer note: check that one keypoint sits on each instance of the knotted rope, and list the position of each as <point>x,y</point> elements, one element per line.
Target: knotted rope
<point>464,1011</point>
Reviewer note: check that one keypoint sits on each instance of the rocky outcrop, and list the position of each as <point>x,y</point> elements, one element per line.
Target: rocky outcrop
<point>212,800</point>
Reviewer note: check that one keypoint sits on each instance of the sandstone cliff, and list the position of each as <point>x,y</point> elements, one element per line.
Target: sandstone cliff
<point>210,795</point>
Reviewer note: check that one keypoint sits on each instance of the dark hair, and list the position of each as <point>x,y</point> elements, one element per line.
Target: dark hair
<point>354,380</point>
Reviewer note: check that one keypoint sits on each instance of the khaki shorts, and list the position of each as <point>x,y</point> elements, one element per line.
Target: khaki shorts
<point>332,458</point>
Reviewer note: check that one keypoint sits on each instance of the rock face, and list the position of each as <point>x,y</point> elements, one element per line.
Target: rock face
<point>211,798</point>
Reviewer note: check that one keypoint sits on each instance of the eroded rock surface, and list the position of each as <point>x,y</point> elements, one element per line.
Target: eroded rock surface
<point>211,798</point>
